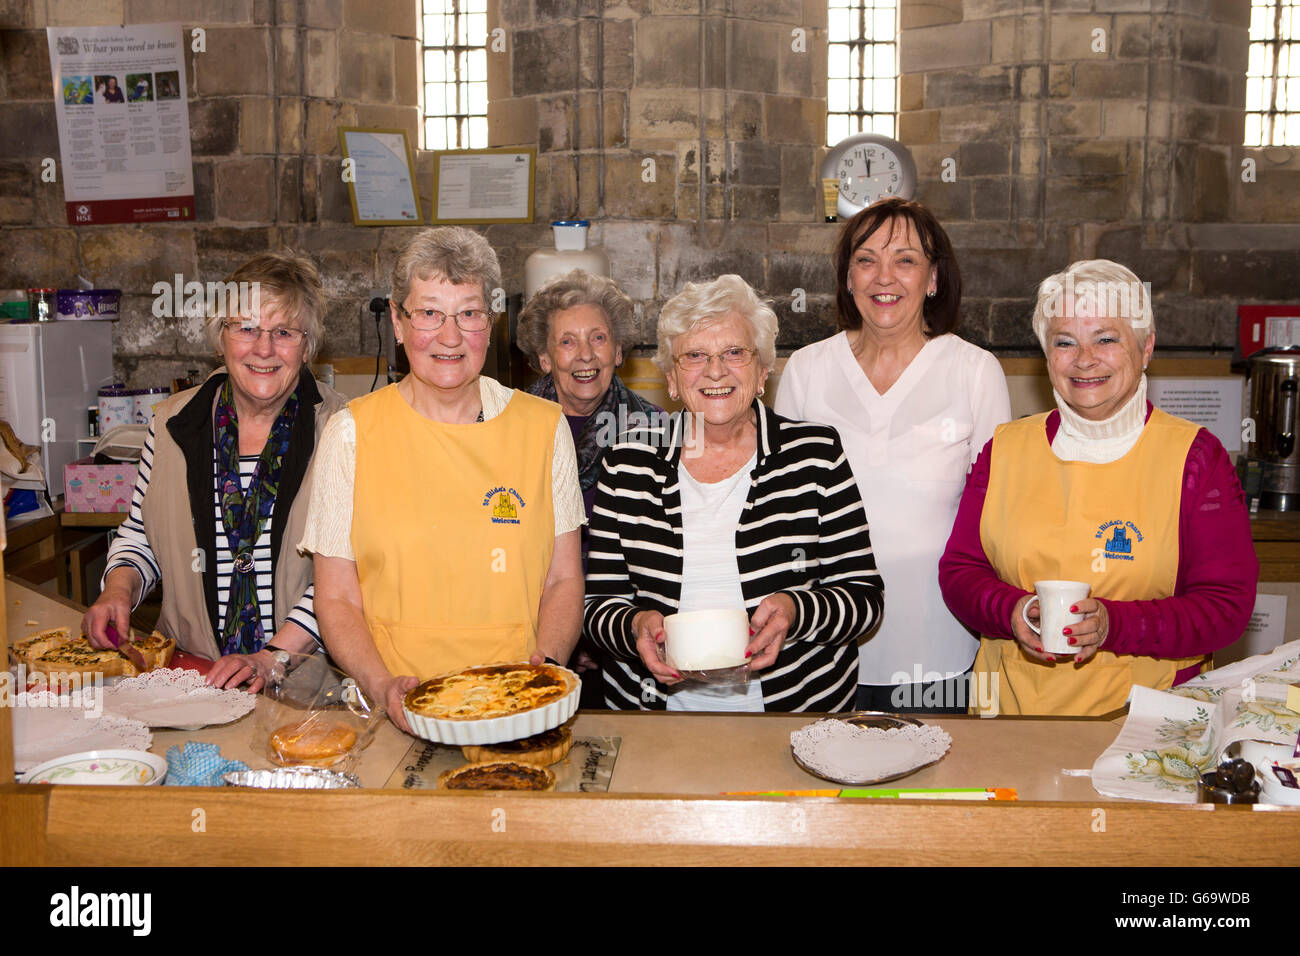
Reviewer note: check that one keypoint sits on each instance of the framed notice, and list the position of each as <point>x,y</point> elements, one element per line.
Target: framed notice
<point>380,172</point>
<point>124,124</point>
<point>483,185</point>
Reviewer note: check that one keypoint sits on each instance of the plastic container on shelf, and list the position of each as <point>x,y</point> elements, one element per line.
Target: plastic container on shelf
<point>570,253</point>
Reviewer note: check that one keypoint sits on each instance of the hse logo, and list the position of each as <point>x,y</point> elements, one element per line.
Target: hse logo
<point>502,502</point>
<point>1119,537</point>
<point>102,909</point>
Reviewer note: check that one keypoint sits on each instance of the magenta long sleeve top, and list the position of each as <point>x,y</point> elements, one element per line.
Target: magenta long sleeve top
<point>1217,568</point>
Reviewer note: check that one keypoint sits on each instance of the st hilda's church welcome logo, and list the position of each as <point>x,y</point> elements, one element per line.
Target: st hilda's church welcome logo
<point>505,504</point>
<point>1120,537</point>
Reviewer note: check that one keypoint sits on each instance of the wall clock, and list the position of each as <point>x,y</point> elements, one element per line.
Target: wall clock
<point>869,167</point>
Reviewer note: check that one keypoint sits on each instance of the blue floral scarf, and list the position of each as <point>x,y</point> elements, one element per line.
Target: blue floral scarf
<point>244,514</point>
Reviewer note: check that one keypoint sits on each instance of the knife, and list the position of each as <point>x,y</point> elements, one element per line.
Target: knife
<point>127,648</point>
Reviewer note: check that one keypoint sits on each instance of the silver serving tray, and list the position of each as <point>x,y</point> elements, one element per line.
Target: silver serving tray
<point>291,778</point>
<point>873,719</point>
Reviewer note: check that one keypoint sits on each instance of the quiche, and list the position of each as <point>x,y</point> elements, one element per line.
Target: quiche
<point>493,690</point>
<point>497,775</point>
<point>540,750</point>
<point>56,651</point>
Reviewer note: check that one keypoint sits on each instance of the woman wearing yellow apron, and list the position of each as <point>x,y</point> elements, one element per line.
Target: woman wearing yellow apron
<point>1143,507</point>
<point>446,516</point>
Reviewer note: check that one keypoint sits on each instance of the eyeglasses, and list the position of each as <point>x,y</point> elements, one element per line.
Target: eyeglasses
<point>281,336</point>
<point>431,320</point>
<point>734,357</point>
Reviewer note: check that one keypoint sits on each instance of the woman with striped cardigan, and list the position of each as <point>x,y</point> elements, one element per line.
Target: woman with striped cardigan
<point>728,505</point>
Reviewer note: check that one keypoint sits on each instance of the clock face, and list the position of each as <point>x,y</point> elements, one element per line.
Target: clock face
<point>869,167</point>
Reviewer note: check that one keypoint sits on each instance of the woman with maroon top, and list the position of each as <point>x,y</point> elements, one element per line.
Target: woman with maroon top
<point>1106,489</point>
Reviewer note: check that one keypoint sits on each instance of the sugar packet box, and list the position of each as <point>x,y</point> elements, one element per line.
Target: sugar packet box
<point>91,487</point>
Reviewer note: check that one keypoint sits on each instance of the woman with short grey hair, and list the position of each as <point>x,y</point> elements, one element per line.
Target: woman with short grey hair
<point>574,330</point>
<point>444,520</point>
<point>729,506</point>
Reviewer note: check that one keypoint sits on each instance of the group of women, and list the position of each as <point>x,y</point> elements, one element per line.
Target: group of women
<point>448,520</point>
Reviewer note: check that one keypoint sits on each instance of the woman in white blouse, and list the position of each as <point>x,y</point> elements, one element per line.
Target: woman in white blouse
<point>446,514</point>
<point>914,405</point>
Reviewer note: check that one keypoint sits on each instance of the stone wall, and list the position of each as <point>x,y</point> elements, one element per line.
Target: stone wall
<point>1061,148</point>
<point>689,131</point>
<point>265,97</point>
<point>1098,128</point>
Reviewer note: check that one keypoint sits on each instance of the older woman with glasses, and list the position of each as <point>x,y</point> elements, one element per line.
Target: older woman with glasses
<point>1140,507</point>
<point>221,497</point>
<point>729,506</point>
<point>573,331</point>
<point>445,517</point>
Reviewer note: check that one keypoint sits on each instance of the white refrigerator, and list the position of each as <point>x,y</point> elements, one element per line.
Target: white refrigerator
<point>50,374</point>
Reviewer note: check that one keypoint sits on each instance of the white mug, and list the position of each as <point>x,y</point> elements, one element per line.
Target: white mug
<point>1055,599</point>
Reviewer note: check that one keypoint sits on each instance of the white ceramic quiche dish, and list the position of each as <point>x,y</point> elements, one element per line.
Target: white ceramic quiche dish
<point>495,730</point>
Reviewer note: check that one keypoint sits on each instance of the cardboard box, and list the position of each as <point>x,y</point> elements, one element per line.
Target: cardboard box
<point>91,487</point>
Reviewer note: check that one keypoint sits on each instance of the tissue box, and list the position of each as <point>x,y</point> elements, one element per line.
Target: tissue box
<point>91,487</point>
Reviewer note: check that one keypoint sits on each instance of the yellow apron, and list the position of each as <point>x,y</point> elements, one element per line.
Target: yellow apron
<point>452,530</point>
<point>1112,525</point>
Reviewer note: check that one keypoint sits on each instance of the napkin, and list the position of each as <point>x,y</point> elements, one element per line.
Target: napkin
<point>198,765</point>
<point>1171,737</point>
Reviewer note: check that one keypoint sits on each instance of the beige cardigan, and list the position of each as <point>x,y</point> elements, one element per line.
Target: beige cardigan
<point>170,524</point>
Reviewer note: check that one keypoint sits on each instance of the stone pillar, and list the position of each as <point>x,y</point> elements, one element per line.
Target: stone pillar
<point>1076,129</point>
<point>689,131</point>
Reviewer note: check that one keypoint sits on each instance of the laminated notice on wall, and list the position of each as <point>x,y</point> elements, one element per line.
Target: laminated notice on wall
<point>124,123</point>
<point>1266,630</point>
<point>1212,403</point>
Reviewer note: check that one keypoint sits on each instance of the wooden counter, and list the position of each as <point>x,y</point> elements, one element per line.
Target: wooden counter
<point>663,806</point>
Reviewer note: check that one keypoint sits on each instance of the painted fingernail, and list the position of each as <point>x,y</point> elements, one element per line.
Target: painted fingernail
<point>1066,630</point>
<point>1074,609</point>
<point>751,632</point>
<point>749,654</point>
<point>1071,641</point>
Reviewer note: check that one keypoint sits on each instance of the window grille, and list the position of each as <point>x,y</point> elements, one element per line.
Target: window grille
<point>1273,74</point>
<point>453,36</point>
<point>861,68</point>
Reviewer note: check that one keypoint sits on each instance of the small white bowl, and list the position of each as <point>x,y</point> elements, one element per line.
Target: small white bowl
<point>706,640</point>
<point>114,768</point>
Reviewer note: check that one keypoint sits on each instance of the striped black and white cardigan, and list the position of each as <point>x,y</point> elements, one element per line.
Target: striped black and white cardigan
<point>802,532</point>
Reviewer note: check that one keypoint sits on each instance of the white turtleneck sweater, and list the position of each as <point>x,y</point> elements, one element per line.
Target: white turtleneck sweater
<point>1079,439</point>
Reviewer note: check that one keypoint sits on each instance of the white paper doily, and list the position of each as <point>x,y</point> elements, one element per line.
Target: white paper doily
<point>840,751</point>
<point>174,697</point>
<point>46,727</point>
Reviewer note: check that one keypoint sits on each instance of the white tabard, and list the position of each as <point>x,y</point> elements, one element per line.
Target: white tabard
<point>910,450</point>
